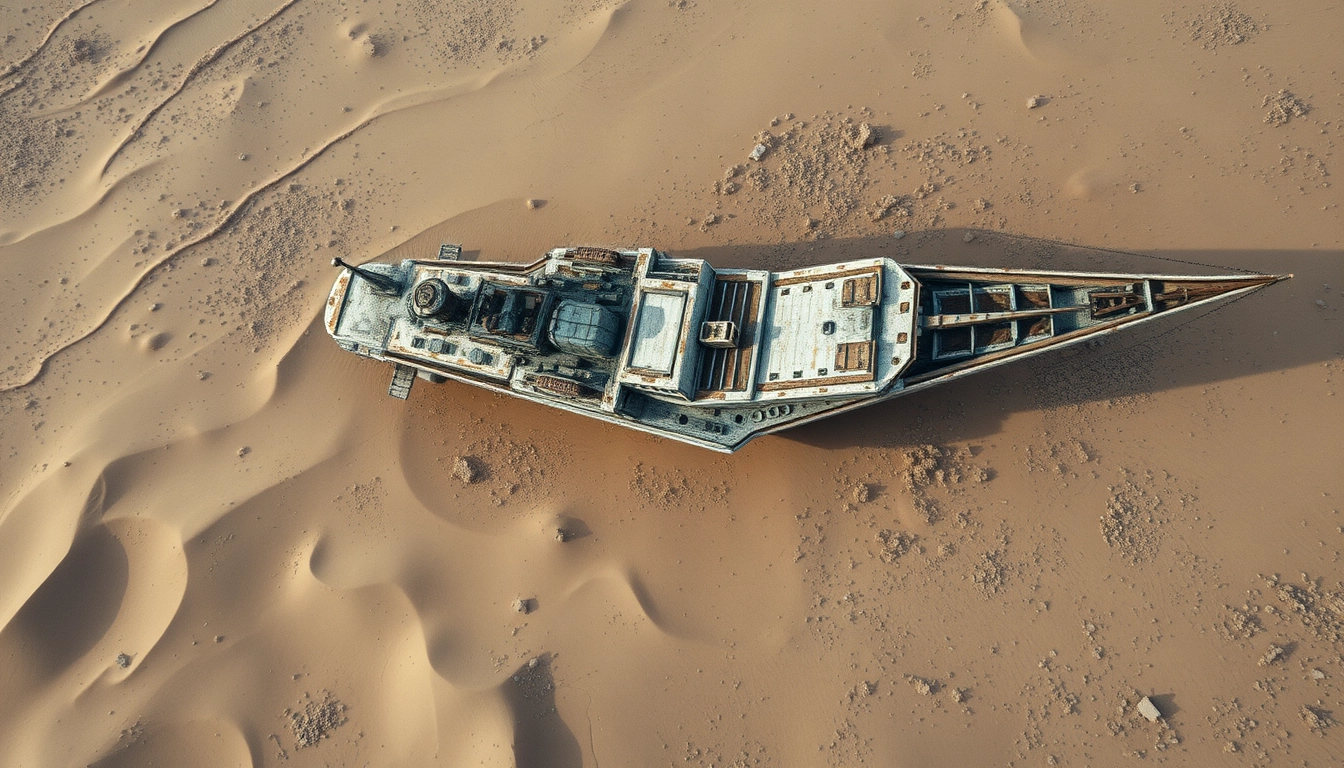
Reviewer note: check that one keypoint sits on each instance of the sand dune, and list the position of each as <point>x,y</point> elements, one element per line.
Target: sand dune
<point>221,544</point>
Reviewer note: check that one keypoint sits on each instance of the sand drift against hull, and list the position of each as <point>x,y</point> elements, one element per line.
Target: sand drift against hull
<point>715,358</point>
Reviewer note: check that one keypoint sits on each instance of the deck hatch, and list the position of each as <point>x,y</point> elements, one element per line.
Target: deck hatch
<point>657,332</point>
<point>864,291</point>
<point>854,356</point>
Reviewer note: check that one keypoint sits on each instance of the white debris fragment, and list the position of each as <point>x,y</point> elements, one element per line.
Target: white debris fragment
<point>1149,710</point>
<point>758,152</point>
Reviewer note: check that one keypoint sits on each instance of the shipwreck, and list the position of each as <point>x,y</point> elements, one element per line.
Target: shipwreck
<point>717,357</point>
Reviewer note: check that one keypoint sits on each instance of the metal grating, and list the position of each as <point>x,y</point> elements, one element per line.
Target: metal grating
<point>727,369</point>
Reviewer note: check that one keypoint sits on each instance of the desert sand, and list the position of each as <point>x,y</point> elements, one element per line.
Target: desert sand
<point>222,544</point>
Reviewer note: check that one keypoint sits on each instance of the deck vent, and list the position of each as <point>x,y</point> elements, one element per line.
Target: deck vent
<point>719,333</point>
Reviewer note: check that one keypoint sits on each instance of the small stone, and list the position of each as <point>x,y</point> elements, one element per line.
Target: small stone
<point>1272,656</point>
<point>1317,674</point>
<point>219,638</point>
<point>533,203</point>
<point>244,451</point>
<point>862,136</point>
<point>242,156</point>
<point>1034,102</point>
<point>1149,710</point>
<point>758,152</point>
<point>1320,303</point>
<point>898,234</point>
<point>464,469</point>
<point>968,237</point>
<point>123,660</point>
<point>862,493</point>
<point>522,605</point>
<point>562,535</point>
<point>533,662</point>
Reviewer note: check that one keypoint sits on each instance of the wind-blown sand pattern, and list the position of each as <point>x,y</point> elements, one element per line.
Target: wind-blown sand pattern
<point>221,544</point>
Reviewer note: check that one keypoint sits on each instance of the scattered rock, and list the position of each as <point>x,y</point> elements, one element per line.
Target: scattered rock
<point>861,136</point>
<point>523,605</point>
<point>862,493</point>
<point>123,660</point>
<point>1222,24</point>
<point>562,535</point>
<point>758,152</point>
<point>316,721</point>
<point>1318,720</point>
<point>465,469</point>
<point>1283,107</point>
<point>1034,102</point>
<point>898,234</point>
<point>923,686</point>
<point>892,544</point>
<point>1274,655</point>
<point>1133,523</point>
<point>533,203</point>
<point>990,574</point>
<point>244,451</point>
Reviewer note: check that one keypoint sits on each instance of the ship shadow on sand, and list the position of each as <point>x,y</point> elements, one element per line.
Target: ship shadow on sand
<point>1279,328</point>
<point>540,738</point>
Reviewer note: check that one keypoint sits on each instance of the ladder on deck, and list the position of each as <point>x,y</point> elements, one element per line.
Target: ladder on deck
<point>402,379</point>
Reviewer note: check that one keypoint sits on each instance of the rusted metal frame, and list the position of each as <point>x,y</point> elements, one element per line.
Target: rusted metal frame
<point>1068,277</point>
<point>817,278</point>
<point>829,381</point>
<point>472,266</point>
<point>958,321</point>
<point>336,302</point>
